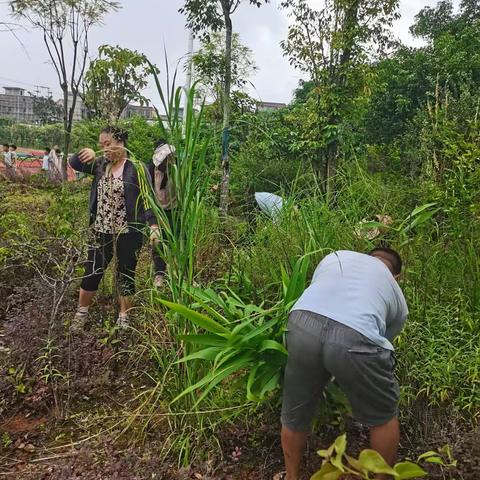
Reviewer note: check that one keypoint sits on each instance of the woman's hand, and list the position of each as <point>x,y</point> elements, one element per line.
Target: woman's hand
<point>155,236</point>
<point>86,155</point>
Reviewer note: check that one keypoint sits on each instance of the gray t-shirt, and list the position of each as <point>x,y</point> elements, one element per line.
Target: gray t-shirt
<point>359,291</point>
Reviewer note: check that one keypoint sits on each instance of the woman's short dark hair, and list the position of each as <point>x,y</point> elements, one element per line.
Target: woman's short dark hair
<point>13,146</point>
<point>391,255</point>
<point>119,134</point>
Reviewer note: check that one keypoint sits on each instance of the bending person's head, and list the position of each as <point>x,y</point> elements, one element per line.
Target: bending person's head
<point>390,258</point>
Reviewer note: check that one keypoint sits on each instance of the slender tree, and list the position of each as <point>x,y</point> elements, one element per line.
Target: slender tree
<point>209,65</point>
<point>65,25</point>
<point>333,44</point>
<point>203,17</point>
<point>114,80</point>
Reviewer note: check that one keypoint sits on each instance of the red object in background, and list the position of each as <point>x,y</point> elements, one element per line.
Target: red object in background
<point>29,166</point>
<point>29,161</point>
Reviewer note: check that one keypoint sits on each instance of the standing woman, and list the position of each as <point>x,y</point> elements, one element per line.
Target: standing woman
<point>118,215</point>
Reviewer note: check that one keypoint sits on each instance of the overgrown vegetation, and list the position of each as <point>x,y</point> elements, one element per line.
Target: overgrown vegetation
<point>207,351</point>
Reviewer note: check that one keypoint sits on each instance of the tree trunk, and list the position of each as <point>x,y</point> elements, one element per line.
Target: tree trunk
<point>330,169</point>
<point>66,133</point>
<point>225,185</point>
<point>348,29</point>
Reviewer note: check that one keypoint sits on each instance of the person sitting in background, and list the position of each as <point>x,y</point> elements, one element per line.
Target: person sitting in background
<point>165,195</point>
<point>118,215</point>
<point>45,160</point>
<point>342,326</point>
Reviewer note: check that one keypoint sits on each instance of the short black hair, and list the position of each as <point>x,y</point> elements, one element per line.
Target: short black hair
<point>47,149</point>
<point>391,255</point>
<point>13,146</point>
<point>119,134</point>
<point>6,145</point>
<point>160,142</point>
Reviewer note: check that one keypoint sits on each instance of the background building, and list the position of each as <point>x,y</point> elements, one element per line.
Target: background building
<point>16,105</point>
<point>269,106</point>
<point>146,112</point>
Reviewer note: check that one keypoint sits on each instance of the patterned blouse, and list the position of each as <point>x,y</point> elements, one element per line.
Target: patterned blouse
<point>111,211</point>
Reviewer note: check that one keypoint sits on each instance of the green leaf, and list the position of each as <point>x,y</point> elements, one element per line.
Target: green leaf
<point>355,463</point>
<point>205,354</point>
<point>406,470</point>
<point>327,472</point>
<point>431,453</point>
<point>212,378</point>
<point>196,318</point>
<point>270,385</point>
<point>213,312</point>
<point>437,460</point>
<point>340,446</point>
<point>374,462</point>
<point>242,325</point>
<point>251,381</point>
<point>265,381</point>
<point>421,208</point>
<point>273,345</point>
<point>296,283</point>
<point>207,340</point>
<point>421,219</point>
<point>259,330</point>
<point>227,370</point>
<point>326,453</point>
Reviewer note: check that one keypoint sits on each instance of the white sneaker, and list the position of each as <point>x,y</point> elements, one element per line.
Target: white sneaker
<point>122,322</point>
<point>158,280</point>
<point>78,322</point>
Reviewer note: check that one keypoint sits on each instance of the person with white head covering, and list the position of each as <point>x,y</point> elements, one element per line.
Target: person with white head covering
<point>165,194</point>
<point>269,203</point>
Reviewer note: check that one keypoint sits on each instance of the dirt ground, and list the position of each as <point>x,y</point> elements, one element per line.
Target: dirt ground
<point>37,444</point>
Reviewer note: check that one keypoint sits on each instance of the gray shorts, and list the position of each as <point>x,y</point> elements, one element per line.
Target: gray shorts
<point>320,348</point>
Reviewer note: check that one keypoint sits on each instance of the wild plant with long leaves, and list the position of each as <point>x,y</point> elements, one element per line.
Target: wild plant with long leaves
<point>242,340</point>
<point>189,177</point>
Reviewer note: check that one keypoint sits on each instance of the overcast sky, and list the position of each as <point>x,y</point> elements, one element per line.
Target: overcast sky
<point>149,26</point>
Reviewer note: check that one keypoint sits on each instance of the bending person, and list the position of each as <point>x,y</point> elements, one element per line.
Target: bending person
<point>118,216</point>
<point>165,195</point>
<point>342,326</point>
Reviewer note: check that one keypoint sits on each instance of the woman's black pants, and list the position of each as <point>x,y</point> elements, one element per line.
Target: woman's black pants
<point>127,247</point>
